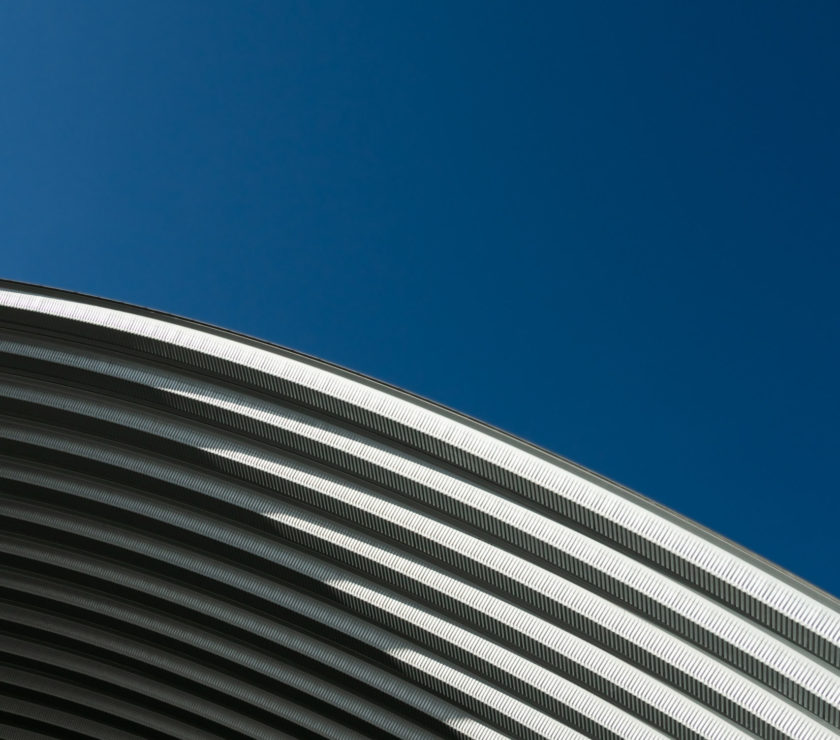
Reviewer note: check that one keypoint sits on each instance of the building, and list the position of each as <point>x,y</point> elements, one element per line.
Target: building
<point>205,535</point>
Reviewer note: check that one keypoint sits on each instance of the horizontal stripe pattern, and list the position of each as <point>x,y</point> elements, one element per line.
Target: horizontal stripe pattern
<point>242,541</point>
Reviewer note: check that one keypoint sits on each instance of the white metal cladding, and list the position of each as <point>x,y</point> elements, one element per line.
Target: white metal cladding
<point>204,535</point>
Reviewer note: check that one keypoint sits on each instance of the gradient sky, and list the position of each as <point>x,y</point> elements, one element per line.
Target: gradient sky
<point>610,228</point>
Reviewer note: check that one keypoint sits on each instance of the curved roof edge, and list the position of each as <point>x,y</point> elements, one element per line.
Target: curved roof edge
<point>229,537</point>
<point>484,427</point>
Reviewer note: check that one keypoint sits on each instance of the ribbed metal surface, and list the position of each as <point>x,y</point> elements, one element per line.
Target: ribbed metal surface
<point>207,536</point>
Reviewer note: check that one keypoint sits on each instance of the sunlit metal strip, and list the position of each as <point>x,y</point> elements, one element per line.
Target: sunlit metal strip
<point>462,581</point>
<point>664,533</point>
<point>397,611</point>
<point>422,665</point>
<point>724,634</point>
<point>285,677</point>
<point>232,618</point>
<point>708,672</point>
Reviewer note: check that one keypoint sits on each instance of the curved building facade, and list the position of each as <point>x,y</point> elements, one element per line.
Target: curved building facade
<point>205,535</point>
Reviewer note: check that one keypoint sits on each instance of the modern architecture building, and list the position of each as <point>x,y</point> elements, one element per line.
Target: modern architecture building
<point>205,535</point>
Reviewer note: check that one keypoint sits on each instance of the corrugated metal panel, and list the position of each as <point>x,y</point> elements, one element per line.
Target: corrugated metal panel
<point>242,540</point>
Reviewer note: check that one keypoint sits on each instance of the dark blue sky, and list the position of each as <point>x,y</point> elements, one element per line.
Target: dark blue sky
<point>610,228</point>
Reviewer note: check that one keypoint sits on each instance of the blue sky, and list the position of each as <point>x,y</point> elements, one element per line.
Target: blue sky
<point>610,228</point>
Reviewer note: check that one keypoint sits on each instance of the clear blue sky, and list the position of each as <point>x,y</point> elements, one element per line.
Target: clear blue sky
<point>610,228</point>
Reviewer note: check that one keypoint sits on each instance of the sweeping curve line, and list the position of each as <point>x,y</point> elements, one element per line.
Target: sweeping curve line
<point>205,535</point>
